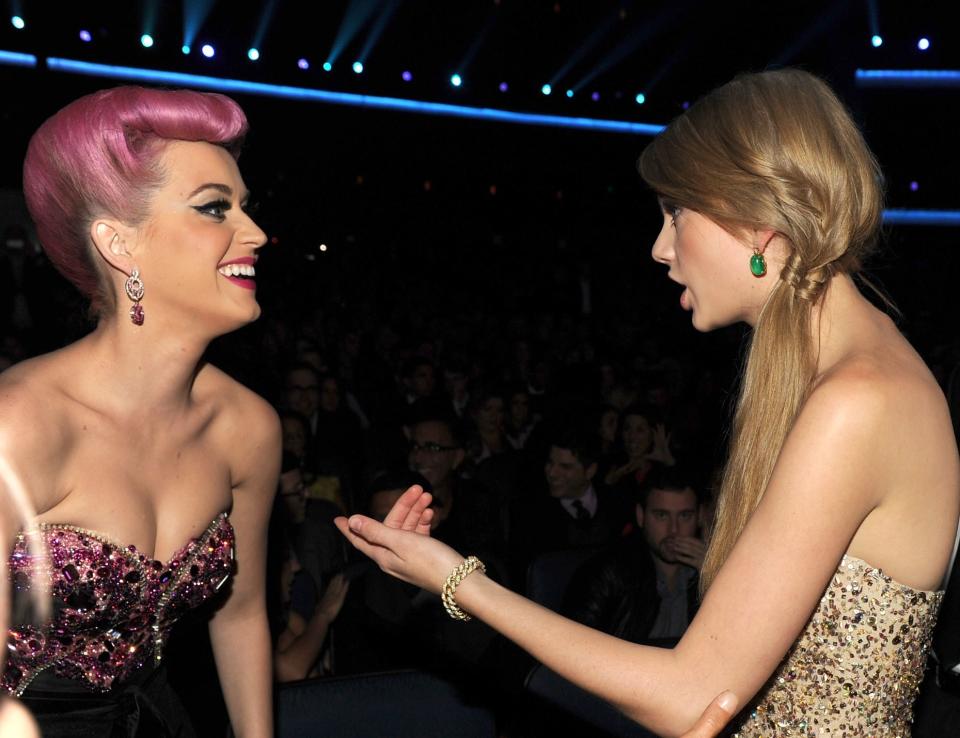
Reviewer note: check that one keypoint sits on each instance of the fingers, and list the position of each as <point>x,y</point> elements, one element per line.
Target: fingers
<point>715,717</point>
<point>424,526</point>
<point>412,521</point>
<point>404,507</point>
<point>357,530</point>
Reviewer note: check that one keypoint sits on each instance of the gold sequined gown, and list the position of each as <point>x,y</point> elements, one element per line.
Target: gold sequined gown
<point>856,667</point>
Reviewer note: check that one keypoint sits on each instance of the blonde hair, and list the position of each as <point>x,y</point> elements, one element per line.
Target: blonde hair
<point>772,150</point>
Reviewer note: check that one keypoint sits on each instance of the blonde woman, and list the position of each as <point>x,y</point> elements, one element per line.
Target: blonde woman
<point>839,504</point>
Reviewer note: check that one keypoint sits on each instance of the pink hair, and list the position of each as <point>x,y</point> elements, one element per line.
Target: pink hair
<point>99,156</point>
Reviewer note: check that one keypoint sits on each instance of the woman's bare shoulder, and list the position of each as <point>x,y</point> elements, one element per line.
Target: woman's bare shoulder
<point>240,412</point>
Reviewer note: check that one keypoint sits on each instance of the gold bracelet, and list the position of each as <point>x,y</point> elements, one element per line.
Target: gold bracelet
<point>469,565</point>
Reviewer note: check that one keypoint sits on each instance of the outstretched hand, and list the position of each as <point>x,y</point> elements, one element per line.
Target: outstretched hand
<point>715,718</point>
<point>401,545</point>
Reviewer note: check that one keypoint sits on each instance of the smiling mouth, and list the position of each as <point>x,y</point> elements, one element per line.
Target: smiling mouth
<point>242,275</point>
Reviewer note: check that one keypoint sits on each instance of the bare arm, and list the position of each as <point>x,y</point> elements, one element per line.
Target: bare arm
<point>827,480</point>
<point>299,645</point>
<point>239,632</point>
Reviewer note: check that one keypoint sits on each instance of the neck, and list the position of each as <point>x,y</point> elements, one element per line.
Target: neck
<point>842,316</point>
<point>149,371</point>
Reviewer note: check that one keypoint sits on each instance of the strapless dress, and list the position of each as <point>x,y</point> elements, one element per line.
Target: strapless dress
<point>855,670</point>
<point>113,609</point>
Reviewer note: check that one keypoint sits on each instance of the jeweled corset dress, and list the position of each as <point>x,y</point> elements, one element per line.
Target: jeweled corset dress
<point>113,607</point>
<point>855,670</point>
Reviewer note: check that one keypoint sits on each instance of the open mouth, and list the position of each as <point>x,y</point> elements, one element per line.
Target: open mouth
<point>243,275</point>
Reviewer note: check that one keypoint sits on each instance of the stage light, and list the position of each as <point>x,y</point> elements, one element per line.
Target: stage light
<point>85,36</point>
<point>323,247</point>
<point>304,64</point>
<point>640,98</point>
<point>877,41</point>
<point>208,51</point>
<point>253,54</point>
<point>146,40</point>
<point>456,80</point>
<point>18,22</point>
<point>327,66</point>
<point>407,75</point>
<point>185,49</point>
<point>358,67</point>
<point>923,44</point>
<point>546,89</point>
<point>595,96</point>
<point>569,93</point>
<point>914,186</point>
<point>504,87</point>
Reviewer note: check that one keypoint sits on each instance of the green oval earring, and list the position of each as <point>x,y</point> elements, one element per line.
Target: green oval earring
<point>758,265</point>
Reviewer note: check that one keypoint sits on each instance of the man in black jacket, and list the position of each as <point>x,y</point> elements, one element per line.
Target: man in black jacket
<point>644,588</point>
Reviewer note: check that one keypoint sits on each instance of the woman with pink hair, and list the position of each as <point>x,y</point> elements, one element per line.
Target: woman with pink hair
<point>151,471</point>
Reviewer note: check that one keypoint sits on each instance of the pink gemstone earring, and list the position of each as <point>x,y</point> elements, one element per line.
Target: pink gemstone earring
<point>134,289</point>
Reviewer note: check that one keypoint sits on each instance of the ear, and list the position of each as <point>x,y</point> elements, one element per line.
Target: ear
<point>762,238</point>
<point>110,238</point>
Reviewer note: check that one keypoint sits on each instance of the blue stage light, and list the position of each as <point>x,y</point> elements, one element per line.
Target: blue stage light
<point>456,80</point>
<point>358,67</point>
<point>407,75</point>
<point>146,40</point>
<point>16,59</point>
<point>208,51</point>
<point>595,96</point>
<point>877,41</point>
<point>253,54</point>
<point>18,22</point>
<point>569,93</point>
<point>923,44</point>
<point>327,66</point>
<point>504,87</point>
<point>303,64</point>
<point>85,36</point>
<point>546,89</point>
<point>640,98</point>
<point>185,48</point>
<point>907,77</point>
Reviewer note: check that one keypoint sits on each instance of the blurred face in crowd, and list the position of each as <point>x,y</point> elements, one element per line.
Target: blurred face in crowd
<point>456,383</point>
<point>293,492</point>
<point>303,392</point>
<point>519,409</point>
<point>329,395</point>
<point>490,416</point>
<point>434,453</point>
<point>668,514</point>
<point>294,436</point>
<point>637,435</point>
<point>567,477</point>
<point>422,382</point>
<point>608,426</point>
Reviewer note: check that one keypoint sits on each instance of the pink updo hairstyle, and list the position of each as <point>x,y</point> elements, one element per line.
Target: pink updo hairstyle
<point>100,156</point>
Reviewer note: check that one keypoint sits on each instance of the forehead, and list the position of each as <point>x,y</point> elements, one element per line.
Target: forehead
<point>636,421</point>
<point>189,164</point>
<point>432,430</point>
<point>672,499</point>
<point>562,456</point>
<point>302,377</point>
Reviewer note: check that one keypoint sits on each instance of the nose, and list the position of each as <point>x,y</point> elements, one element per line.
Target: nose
<point>663,247</point>
<point>251,234</point>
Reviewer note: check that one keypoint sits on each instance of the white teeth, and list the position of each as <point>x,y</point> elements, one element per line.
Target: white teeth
<point>236,270</point>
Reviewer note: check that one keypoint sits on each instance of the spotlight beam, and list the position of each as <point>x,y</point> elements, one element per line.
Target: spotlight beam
<point>588,45</point>
<point>195,14</point>
<point>632,42</point>
<point>377,29</point>
<point>73,66</point>
<point>266,17</point>
<point>355,17</point>
<point>821,24</point>
<point>477,43</point>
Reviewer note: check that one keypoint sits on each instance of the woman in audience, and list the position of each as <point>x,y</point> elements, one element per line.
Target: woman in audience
<point>148,467</point>
<point>839,502</point>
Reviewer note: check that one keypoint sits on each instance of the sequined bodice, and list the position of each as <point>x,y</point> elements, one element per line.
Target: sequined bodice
<point>113,607</point>
<point>856,667</point>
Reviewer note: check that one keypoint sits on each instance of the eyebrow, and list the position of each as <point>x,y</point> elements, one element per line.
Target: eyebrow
<point>225,189</point>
